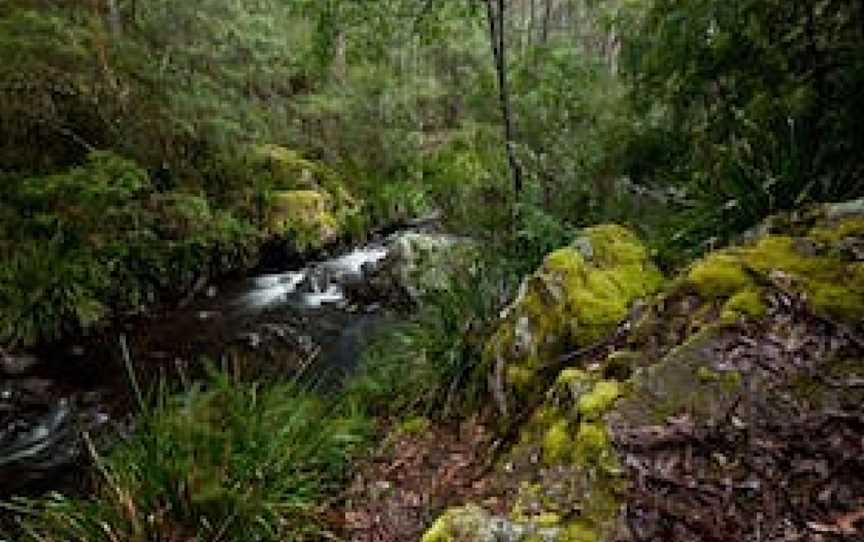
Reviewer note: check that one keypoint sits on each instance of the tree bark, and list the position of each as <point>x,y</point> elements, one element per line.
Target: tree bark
<point>546,16</point>
<point>499,54</point>
<point>115,23</point>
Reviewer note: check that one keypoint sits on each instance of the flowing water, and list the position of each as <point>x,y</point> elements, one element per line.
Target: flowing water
<point>260,326</point>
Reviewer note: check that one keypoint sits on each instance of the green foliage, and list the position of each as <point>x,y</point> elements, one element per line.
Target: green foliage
<point>429,365</point>
<point>763,135</point>
<point>466,178</point>
<point>48,290</point>
<point>97,238</point>
<point>388,201</point>
<point>231,462</point>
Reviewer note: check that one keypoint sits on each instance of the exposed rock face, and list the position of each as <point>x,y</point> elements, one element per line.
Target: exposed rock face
<point>731,409</point>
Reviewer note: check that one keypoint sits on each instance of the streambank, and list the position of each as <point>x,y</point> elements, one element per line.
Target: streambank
<point>264,326</point>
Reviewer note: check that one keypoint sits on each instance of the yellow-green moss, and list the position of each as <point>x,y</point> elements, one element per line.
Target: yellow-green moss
<point>440,531</point>
<point>572,375</point>
<point>414,425</point>
<point>615,245</point>
<point>747,303</point>
<point>286,169</point>
<point>576,297</point>
<point>305,214</point>
<point>833,286</point>
<point>593,404</point>
<point>520,377</point>
<point>579,531</point>
<point>593,447</point>
<point>838,301</point>
<point>455,525</point>
<point>850,227</point>
<point>557,443</point>
<point>719,275</point>
<point>566,261</point>
<point>547,519</point>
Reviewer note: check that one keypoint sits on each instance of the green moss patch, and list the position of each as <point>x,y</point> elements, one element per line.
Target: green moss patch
<point>577,296</point>
<point>814,265</point>
<point>305,215</point>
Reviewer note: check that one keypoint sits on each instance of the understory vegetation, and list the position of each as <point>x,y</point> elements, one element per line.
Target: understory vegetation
<point>229,462</point>
<point>148,147</point>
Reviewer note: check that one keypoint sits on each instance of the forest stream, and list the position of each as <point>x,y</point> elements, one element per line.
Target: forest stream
<point>260,326</point>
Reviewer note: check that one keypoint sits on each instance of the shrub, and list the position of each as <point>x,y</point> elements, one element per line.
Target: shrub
<point>96,238</point>
<point>427,365</point>
<point>47,289</point>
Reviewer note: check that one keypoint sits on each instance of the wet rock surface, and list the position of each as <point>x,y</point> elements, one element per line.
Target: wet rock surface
<point>417,264</point>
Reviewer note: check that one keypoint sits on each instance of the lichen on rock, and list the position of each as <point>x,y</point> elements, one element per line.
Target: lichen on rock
<point>473,524</point>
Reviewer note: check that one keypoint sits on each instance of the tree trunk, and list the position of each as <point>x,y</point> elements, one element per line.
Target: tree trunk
<point>613,51</point>
<point>499,53</point>
<point>340,57</point>
<point>546,16</point>
<point>114,19</point>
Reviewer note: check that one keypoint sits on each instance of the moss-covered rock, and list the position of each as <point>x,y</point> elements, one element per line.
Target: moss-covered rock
<point>821,262</point>
<point>564,467</point>
<point>473,524</point>
<point>577,296</point>
<point>305,215</point>
<point>725,350</point>
<point>306,199</point>
<point>285,169</point>
<point>686,381</point>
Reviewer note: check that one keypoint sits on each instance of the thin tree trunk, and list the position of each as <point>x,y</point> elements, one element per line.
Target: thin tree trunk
<point>546,16</point>
<point>496,35</point>
<point>114,20</point>
<point>340,57</point>
<point>613,50</point>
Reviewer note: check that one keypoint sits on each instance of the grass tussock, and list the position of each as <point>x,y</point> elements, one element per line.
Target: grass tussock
<point>429,365</point>
<point>231,462</point>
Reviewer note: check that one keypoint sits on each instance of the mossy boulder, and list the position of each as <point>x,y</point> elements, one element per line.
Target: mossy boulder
<point>564,472</point>
<point>287,181</point>
<point>306,216</point>
<point>281,168</point>
<point>751,349</point>
<point>574,299</point>
<point>472,523</point>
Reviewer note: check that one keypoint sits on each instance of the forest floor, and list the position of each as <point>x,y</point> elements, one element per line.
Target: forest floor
<point>419,469</point>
